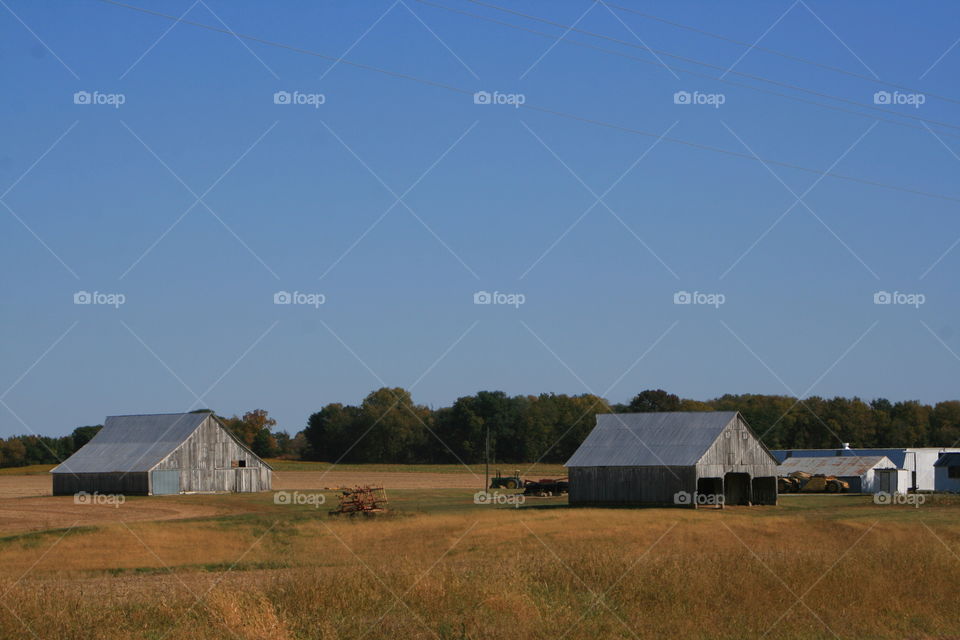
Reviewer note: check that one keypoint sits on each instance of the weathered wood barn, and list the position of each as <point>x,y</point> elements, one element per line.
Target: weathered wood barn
<point>672,458</point>
<point>162,454</point>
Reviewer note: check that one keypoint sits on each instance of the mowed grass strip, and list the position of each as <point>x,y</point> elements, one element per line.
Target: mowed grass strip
<point>442,567</point>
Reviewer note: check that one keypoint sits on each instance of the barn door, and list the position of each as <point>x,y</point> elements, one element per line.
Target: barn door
<point>165,482</point>
<point>247,479</point>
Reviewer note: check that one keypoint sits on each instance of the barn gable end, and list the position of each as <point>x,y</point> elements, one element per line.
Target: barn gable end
<point>213,459</point>
<point>162,454</point>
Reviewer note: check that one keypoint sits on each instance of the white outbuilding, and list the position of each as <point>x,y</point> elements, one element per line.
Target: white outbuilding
<point>947,473</point>
<point>865,474</point>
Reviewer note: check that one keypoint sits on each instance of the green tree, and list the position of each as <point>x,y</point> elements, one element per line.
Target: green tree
<point>654,400</point>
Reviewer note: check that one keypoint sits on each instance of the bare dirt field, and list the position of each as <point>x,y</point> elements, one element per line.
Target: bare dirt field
<point>288,480</point>
<point>26,503</point>
<point>12,486</point>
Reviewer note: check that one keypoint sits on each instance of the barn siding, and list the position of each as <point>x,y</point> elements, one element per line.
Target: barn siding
<point>132,483</point>
<point>736,450</point>
<point>205,462</point>
<point>629,485</point>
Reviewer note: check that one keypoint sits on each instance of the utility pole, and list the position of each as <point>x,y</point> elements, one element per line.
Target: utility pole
<point>486,457</point>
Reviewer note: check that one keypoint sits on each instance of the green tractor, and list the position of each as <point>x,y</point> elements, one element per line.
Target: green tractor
<point>506,482</point>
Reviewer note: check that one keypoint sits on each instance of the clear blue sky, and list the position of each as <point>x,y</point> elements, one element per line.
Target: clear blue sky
<point>292,208</point>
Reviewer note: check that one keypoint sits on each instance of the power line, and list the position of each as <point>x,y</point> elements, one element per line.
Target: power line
<point>786,56</point>
<point>561,114</point>
<point>709,65</point>
<point>681,70</point>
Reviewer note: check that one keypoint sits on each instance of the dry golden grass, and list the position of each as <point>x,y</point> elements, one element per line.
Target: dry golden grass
<point>444,568</point>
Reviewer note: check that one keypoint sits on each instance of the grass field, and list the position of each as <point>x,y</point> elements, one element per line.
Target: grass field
<point>440,566</point>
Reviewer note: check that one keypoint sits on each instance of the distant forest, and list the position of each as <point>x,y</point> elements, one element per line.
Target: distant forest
<point>389,427</point>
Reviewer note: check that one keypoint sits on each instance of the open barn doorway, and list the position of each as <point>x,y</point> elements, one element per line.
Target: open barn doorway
<point>764,490</point>
<point>736,488</point>
<point>709,492</point>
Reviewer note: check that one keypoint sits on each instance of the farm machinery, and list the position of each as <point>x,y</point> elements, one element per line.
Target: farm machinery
<point>365,499</point>
<point>543,487</point>
<point>546,487</point>
<point>506,482</point>
<point>801,482</point>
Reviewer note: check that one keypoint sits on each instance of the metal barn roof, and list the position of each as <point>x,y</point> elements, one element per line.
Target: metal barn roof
<point>132,443</point>
<point>948,460</point>
<point>835,465</point>
<point>678,438</point>
<point>897,456</point>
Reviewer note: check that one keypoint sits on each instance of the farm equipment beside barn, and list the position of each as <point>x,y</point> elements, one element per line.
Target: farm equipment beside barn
<point>506,482</point>
<point>545,487</point>
<point>801,482</point>
<point>364,500</point>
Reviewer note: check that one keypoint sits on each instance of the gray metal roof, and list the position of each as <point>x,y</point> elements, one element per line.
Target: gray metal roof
<point>835,465</point>
<point>948,460</point>
<point>132,443</point>
<point>678,438</point>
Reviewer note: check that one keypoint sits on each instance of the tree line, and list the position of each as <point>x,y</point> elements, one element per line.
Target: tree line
<point>389,427</point>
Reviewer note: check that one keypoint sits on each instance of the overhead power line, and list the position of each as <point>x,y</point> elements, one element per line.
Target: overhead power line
<point>561,114</point>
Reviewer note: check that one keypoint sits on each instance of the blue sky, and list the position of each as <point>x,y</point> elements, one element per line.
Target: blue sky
<point>293,198</point>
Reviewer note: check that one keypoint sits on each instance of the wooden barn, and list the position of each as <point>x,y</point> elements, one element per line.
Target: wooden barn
<point>683,458</point>
<point>162,454</point>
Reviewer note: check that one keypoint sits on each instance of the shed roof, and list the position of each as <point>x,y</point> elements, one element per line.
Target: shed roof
<point>132,443</point>
<point>948,460</point>
<point>676,438</point>
<point>835,465</point>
